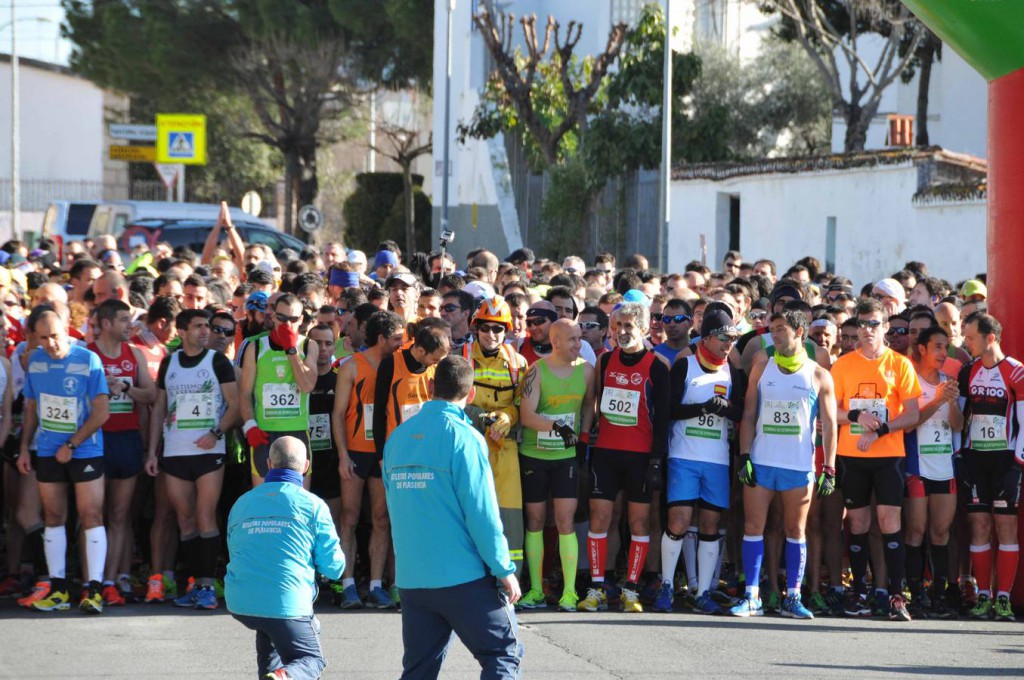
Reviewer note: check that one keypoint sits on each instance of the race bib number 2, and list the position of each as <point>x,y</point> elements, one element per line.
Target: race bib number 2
<point>876,407</point>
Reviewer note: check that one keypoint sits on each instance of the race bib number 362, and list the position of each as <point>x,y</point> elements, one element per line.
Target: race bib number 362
<point>281,400</point>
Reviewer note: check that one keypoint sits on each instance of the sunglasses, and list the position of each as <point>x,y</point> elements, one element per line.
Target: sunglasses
<point>589,325</point>
<point>657,316</point>
<point>451,308</point>
<point>868,323</point>
<point>283,318</point>
<point>536,322</point>
<point>678,318</point>
<point>492,328</point>
<point>726,338</point>
<point>222,330</point>
<point>759,316</point>
<point>898,331</point>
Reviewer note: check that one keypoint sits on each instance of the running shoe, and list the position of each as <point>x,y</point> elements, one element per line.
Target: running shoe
<point>793,608</point>
<point>206,597</point>
<point>857,605</point>
<point>155,589</point>
<point>663,603</point>
<point>817,604</point>
<point>650,591</point>
<point>10,587</point>
<point>92,599</point>
<point>982,610</point>
<point>898,609</point>
<point>378,598</point>
<point>279,674</point>
<point>126,588</point>
<point>218,588</point>
<point>40,591</point>
<point>350,598</point>
<point>55,601</point>
<point>595,601</point>
<point>705,605</point>
<point>748,606</point>
<point>880,604</point>
<point>943,609</point>
<point>773,603</point>
<point>189,600</point>
<point>111,596</point>
<point>629,600</point>
<point>722,598</point>
<point>1003,610</point>
<point>395,595</point>
<point>191,584</point>
<point>612,592</point>
<point>836,600</point>
<point>533,599</point>
<point>570,602</point>
<point>686,598</point>
<point>968,593</point>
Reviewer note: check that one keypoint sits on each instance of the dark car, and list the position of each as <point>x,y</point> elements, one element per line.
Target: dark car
<point>193,234</point>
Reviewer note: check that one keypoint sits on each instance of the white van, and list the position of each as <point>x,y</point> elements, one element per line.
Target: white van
<point>68,220</point>
<point>111,217</point>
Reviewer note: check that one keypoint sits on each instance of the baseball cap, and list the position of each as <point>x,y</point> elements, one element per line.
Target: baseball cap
<point>635,295</point>
<point>257,301</point>
<point>405,277</point>
<point>479,290</point>
<point>973,287</point>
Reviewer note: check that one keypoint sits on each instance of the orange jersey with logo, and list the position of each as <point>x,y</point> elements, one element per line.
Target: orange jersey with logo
<point>359,415</point>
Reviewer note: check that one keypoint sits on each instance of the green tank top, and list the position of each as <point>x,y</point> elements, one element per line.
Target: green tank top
<point>560,399</point>
<point>280,405</point>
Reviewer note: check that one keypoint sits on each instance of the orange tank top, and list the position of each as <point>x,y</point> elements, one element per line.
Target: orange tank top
<point>407,393</point>
<point>359,416</point>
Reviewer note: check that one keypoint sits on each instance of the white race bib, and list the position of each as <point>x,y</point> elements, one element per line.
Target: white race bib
<point>935,438</point>
<point>195,411</point>
<point>368,422</point>
<point>409,410</point>
<point>705,426</point>
<point>988,433</point>
<point>320,431</point>
<point>550,441</point>
<point>874,406</point>
<point>281,400</point>
<point>780,417</point>
<point>58,414</point>
<point>620,407</point>
<point>122,403</point>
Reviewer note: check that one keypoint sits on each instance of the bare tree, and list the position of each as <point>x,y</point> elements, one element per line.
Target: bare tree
<point>856,91</point>
<point>401,138</point>
<point>518,79</point>
<point>295,88</point>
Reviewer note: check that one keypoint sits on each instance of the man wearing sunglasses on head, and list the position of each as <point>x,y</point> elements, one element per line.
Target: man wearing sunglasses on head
<point>278,373</point>
<point>876,396</point>
<point>677,321</point>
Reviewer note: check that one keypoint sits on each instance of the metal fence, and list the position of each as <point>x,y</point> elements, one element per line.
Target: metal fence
<point>625,222</point>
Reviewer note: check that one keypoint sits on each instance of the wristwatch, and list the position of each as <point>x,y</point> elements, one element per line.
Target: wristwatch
<point>291,351</point>
<point>127,385</point>
<point>71,445</point>
<point>217,433</point>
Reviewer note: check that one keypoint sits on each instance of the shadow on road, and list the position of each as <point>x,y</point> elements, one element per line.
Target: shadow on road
<point>963,672</point>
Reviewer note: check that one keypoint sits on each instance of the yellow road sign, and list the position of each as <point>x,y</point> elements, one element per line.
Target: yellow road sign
<point>181,138</point>
<point>132,154</point>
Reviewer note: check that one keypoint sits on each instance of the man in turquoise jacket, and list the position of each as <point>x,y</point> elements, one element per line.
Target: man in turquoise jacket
<point>279,536</point>
<point>448,539</point>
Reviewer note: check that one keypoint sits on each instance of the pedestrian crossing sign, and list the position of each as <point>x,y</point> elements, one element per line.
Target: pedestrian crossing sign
<point>181,138</point>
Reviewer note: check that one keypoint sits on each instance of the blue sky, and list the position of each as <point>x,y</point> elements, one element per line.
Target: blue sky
<point>36,39</point>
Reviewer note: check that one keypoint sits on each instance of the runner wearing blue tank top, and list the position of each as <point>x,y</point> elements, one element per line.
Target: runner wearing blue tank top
<point>786,392</point>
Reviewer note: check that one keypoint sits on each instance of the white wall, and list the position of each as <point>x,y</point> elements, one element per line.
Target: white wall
<point>62,125</point>
<point>783,218</point>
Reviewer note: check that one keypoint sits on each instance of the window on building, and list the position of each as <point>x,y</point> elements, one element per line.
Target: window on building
<point>901,131</point>
<point>626,11</point>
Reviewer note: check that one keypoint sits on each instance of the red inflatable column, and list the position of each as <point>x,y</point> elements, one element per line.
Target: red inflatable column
<point>1006,226</point>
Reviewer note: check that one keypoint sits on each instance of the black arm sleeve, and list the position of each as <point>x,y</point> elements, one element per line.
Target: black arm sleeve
<point>679,410</point>
<point>222,368</point>
<point>385,372</point>
<point>661,387</point>
<point>161,375</point>
<point>602,364</point>
<point>738,396</point>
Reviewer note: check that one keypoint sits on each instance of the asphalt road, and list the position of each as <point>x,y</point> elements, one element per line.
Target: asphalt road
<point>160,642</point>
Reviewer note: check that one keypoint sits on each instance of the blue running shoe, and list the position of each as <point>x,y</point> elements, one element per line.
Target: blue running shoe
<point>189,600</point>
<point>795,609</point>
<point>705,605</point>
<point>663,603</point>
<point>748,606</point>
<point>378,598</point>
<point>206,597</point>
<point>350,598</point>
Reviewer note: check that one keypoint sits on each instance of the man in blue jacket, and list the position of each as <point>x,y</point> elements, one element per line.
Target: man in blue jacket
<point>279,536</point>
<point>448,539</point>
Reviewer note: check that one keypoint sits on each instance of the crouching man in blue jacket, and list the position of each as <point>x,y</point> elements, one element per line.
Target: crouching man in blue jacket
<point>279,536</point>
<point>449,544</point>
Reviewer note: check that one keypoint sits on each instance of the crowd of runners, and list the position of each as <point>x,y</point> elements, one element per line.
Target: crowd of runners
<point>731,439</point>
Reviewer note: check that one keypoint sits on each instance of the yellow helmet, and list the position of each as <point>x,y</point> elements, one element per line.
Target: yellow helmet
<point>494,309</point>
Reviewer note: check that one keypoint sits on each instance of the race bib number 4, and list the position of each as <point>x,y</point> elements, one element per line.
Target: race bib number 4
<point>320,431</point>
<point>780,417</point>
<point>988,433</point>
<point>705,426</point>
<point>876,407</point>
<point>935,438</point>
<point>281,400</point>
<point>194,411</point>
<point>550,441</point>
<point>620,407</point>
<point>58,414</point>
<point>122,403</point>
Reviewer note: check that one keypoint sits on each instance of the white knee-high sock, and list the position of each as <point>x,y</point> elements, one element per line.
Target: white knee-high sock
<point>690,558</point>
<point>96,552</point>
<point>671,547</point>
<point>55,546</point>
<point>707,562</point>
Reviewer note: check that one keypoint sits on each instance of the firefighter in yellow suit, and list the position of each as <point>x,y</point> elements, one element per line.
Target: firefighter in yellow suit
<point>494,409</point>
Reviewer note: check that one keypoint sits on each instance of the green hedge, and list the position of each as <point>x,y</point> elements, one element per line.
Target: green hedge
<point>374,212</point>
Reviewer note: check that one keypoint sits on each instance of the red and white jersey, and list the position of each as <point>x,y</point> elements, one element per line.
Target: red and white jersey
<point>991,396</point>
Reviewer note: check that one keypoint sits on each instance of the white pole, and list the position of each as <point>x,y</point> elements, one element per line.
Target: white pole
<point>15,132</point>
<point>447,117</point>
<point>181,183</point>
<point>666,147</point>
<point>373,131</point>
